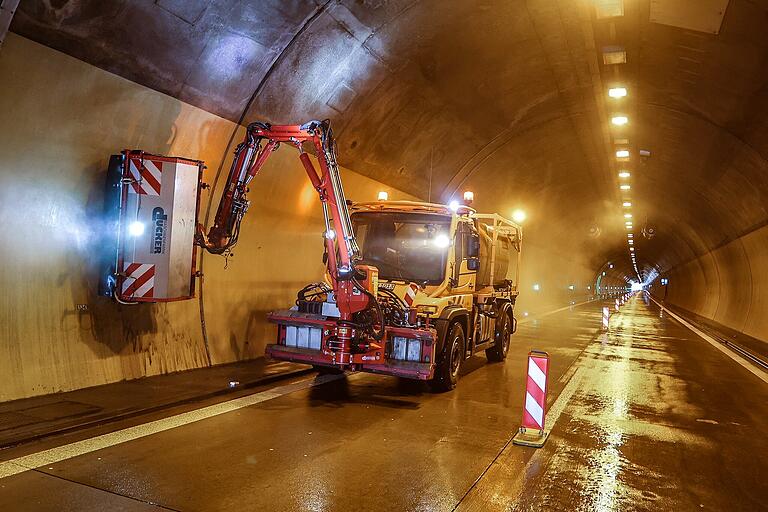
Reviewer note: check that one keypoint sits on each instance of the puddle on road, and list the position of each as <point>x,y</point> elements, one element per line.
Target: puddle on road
<point>627,408</point>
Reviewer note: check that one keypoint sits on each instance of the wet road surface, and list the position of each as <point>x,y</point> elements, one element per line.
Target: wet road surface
<point>646,417</point>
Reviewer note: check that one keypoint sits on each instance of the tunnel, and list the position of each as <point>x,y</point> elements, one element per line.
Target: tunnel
<point>615,148</point>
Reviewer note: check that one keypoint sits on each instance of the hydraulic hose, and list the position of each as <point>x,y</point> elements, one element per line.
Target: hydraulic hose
<point>380,334</point>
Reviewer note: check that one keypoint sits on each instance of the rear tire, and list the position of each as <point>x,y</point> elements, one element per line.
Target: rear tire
<point>498,352</point>
<point>449,365</point>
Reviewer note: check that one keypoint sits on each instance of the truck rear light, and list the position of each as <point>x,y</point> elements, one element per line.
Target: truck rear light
<point>302,336</point>
<point>406,349</point>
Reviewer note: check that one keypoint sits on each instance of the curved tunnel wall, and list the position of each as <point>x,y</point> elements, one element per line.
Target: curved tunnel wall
<point>62,118</point>
<point>728,285</point>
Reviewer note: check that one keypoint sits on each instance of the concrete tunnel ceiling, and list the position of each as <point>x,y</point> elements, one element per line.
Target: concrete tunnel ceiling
<point>504,97</point>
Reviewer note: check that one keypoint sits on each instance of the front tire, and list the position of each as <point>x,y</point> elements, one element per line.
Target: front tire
<point>498,352</point>
<point>449,366</point>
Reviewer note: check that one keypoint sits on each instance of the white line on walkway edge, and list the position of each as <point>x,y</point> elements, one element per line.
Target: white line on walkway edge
<point>719,346</point>
<point>68,451</point>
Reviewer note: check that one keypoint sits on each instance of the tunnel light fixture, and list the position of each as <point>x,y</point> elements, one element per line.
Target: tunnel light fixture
<point>469,196</point>
<point>631,248</point>
<point>626,204</point>
<point>609,8</point>
<point>519,216</point>
<point>617,92</point>
<point>383,195</point>
<point>614,55</point>
<point>624,174</point>
<point>619,120</point>
<point>622,153</point>
<point>571,287</point>
<point>536,287</point>
<point>627,215</point>
<point>625,187</point>
<point>630,235</point>
<point>629,227</point>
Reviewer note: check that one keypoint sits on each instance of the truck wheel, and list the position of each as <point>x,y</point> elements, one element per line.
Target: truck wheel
<point>498,352</point>
<point>447,371</point>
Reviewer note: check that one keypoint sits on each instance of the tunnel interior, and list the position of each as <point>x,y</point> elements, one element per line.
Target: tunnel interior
<point>632,133</point>
<point>548,294</point>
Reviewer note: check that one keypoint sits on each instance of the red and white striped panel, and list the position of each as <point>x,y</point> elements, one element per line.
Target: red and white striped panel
<point>410,294</point>
<point>536,391</point>
<point>147,176</point>
<point>139,281</point>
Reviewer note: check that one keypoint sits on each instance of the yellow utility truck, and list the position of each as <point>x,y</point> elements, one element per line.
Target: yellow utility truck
<point>446,284</point>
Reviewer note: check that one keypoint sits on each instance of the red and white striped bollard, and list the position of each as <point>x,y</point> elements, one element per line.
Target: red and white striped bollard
<point>531,432</point>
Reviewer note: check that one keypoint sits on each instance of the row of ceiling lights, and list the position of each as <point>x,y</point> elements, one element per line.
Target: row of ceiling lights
<point>612,9</point>
<point>622,156</point>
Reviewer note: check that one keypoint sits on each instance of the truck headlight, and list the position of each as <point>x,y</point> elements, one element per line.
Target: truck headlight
<point>406,349</point>
<point>414,350</point>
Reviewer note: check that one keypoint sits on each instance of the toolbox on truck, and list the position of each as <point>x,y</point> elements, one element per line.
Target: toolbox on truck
<point>155,200</point>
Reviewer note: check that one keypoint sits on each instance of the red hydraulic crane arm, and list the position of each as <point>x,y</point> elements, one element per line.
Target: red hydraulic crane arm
<point>250,156</point>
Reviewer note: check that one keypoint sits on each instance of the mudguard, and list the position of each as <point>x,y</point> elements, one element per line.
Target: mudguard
<point>447,317</point>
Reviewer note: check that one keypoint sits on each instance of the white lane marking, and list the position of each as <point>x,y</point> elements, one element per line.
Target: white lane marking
<point>68,451</point>
<point>535,373</point>
<point>563,398</point>
<point>719,346</point>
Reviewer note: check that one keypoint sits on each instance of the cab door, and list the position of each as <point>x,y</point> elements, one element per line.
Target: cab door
<point>467,252</point>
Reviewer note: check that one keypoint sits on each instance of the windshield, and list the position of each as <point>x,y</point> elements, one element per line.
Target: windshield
<point>405,246</point>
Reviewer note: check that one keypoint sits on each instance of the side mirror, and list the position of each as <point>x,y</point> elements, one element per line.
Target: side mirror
<point>473,263</point>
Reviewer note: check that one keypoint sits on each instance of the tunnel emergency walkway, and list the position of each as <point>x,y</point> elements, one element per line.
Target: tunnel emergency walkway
<point>649,416</point>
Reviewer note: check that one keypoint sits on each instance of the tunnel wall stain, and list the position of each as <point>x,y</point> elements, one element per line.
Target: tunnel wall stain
<point>61,119</point>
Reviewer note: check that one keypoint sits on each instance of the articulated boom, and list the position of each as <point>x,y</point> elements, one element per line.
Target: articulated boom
<point>342,252</point>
